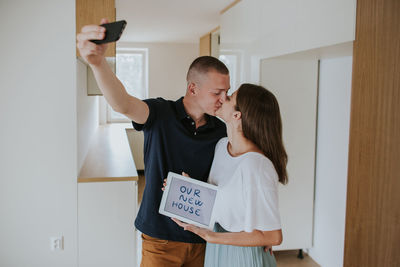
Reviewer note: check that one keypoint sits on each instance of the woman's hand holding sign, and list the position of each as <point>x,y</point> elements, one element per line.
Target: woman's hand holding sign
<point>202,232</point>
<point>206,234</point>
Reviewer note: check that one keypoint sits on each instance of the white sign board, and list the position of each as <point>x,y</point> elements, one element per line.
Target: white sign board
<point>189,200</point>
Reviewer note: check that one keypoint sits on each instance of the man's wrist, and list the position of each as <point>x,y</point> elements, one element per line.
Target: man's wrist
<point>99,64</point>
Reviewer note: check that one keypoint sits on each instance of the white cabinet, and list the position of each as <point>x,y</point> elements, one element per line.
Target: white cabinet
<point>86,75</point>
<point>107,201</point>
<point>294,82</point>
<point>136,142</point>
<point>92,87</point>
<point>106,214</point>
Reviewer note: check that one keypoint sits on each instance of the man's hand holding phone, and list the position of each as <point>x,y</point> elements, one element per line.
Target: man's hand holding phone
<point>92,40</point>
<point>91,52</point>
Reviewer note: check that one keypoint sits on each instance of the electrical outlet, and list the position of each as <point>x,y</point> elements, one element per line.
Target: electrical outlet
<point>56,243</point>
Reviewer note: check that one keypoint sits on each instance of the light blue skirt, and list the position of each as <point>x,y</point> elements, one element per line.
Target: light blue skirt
<point>218,255</point>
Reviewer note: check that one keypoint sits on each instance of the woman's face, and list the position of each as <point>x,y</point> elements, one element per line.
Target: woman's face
<point>226,111</point>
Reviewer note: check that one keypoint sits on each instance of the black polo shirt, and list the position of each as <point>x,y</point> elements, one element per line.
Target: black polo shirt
<point>172,143</point>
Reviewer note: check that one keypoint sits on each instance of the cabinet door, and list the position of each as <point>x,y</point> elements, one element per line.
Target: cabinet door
<point>106,233</point>
<point>92,86</point>
<point>205,45</point>
<point>294,81</point>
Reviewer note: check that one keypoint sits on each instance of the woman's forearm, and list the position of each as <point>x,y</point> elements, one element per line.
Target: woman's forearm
<point>250,239</point>
<point>246,239</point>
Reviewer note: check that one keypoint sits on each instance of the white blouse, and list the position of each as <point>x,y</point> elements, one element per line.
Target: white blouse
<point>247,190</point>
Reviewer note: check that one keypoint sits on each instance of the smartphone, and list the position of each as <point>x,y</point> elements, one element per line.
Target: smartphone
<point>113,32</point>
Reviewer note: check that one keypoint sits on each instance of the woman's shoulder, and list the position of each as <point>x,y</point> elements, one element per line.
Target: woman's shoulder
<point>257,160</point>
<point>223,140</point>
<point>258,169</point>
<point>221,144</point>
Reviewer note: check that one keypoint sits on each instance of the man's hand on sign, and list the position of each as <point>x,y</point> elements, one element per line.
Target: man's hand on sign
<point>165,180</point>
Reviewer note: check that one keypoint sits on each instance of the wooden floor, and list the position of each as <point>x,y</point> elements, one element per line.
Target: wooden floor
<point>289,259</point>
<point>283,258</point>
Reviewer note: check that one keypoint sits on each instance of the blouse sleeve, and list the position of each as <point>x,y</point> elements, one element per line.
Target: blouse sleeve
<point>260,191</point>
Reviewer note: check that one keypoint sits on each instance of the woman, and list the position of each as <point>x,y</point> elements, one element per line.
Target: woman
<point>247,167</point>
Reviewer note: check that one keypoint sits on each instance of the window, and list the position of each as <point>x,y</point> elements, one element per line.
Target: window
<point>131,70</point>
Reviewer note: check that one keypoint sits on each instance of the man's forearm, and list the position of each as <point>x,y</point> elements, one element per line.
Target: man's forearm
<point>112,89</point>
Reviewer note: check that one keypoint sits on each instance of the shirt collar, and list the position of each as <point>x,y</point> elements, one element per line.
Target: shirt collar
<point>180,109</point>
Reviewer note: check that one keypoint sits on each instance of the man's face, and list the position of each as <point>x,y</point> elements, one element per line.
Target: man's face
<point>228,108</point>
<point>212,91</point>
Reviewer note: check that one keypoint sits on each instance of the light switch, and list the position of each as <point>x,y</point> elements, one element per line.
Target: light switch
<point>56,243</point>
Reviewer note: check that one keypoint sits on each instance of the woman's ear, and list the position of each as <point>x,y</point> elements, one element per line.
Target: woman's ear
<point>237,115</point>
<point>237,120</point>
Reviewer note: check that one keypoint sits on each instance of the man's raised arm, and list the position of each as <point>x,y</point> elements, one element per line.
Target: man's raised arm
<point>112,89</point>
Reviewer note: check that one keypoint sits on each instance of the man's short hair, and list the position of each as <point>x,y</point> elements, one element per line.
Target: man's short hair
<point>204,64</point>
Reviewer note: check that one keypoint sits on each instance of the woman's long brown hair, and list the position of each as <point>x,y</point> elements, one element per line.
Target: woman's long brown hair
<point>262,124</point>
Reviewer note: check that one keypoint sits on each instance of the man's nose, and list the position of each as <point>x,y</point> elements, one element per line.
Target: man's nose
<point>223,97</point>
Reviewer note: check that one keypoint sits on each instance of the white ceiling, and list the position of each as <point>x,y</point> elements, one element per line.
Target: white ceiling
<point>177,21</point>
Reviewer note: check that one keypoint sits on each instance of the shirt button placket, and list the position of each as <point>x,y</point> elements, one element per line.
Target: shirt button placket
<point>195,133</point>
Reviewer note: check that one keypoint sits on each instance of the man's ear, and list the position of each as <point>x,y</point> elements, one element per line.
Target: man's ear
<point>192,88</point>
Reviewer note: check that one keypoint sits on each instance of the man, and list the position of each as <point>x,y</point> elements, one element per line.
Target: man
<point>178,136</point>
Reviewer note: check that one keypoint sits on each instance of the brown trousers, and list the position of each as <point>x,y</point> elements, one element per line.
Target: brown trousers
<point>158,252</point>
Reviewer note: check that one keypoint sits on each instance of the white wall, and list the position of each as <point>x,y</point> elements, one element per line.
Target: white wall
<point>87,112</point>
<point>270,28</point>
<point>168,65</point>
<point>38,163</point>
<point>274,27</point>
<point>331,163</point>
